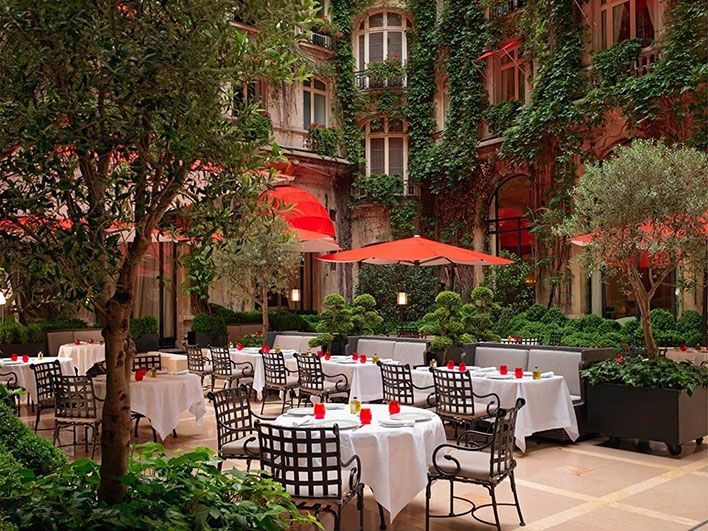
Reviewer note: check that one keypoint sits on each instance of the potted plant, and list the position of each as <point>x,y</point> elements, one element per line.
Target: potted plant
<point>447,323</point>
<point>208,330</point>
<point>653,399</point>
<point>144,331</point>
<point>339,320</point>
<point>17,338</point>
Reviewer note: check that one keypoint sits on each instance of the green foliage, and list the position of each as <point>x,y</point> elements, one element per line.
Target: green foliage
<point>446,321</point>
<point>250,340</point>
<point>384,282</point>
<point>509,283</point>
<point>388,72</point>
<point>29,449</point>
<point>143,325</point>
<point>286,320</point>
<point>231,317</point>
<point>500,116</point>
<point>339,319</point>
<point>609,67</point>
<point>480,314</point>
<point>403,218</point>
<point>652,373</point>
<point>365,317</point>
<point>325,140</point>
<point>380,189</point>
<point>182,492</point>
<point>62,323</point>
<point>208,324</point>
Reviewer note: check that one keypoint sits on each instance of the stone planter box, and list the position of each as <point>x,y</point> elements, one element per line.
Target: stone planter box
<point>31,349</point>
<point>204,339</point>
<point>667,415</point>
<point>147,342</point>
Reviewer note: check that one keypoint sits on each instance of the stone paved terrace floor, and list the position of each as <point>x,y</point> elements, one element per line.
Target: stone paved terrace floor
<point>584,486</point>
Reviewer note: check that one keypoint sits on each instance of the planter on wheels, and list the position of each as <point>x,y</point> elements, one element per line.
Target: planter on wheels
<point>667,415</point>
<point>147,342</point>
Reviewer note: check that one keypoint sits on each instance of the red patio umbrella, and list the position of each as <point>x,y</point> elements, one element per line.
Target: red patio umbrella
<point>415,251</point>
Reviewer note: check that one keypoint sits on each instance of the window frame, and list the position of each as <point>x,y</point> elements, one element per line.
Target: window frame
<point>386,135</point>
<point>517,65</point>
<point>406,24</point>
<point>608,8</point>
<point>312,91</point>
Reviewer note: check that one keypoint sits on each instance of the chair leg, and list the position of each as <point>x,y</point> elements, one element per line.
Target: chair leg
<point>174,433</point>
<point>285,397</point>
<point>427,505</point>
<point>248,465</point>
<point>494,506</point>
<point>137,421</point>
<point>338,518</point>
<point>382,517</point>
<point>360,507</point>
<point>56,433</point>
<point>94,432</point>
<point>154,435</point>
<point>516,498</point>
<point>86,438</point>
<point>36,420</point>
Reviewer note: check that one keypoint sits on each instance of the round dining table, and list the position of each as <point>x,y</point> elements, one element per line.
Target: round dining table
<point>25,376</point>
<point>84,354</point>
<point>162,399</point>
<point>394,460</point>
<point>253,356</point>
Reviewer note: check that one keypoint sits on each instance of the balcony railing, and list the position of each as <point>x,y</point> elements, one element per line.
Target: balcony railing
<point>363,81</point>
<point>643,65</point>
<point>325,41</point>
<point>502,7</point>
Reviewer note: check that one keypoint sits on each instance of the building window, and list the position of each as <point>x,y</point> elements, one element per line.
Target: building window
<point>621,20</point>
<point>247,94</point>
<point>314,103</point>
<point>511,76</point>
<point>387,149</point>
<point>509,226</point>
<point>381,35</point>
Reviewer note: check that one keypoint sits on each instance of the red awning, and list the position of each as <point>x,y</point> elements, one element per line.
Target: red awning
<point>415,251</point>
<point>305,212</point>
<point>513,43</point>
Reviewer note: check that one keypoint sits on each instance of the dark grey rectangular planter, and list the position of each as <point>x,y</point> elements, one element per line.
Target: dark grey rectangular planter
<point>205,339</point>
<point>31,349</point>
<point>667,415</point>
<point>147,342</point>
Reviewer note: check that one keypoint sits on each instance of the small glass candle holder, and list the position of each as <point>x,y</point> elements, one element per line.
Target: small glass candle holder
<point>462,367</point>
<point>355,356</point>
<point>519,372</point>
<point>365,415</point>
<point>394,407</point>
<point>328,356</point>
<point>450,364</point>
<point>503,369</point>
<point>320,410</point>
<point>362,358</point>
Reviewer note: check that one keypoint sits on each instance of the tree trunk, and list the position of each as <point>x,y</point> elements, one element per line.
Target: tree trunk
<point>264,309</point>
<point>115,430</point>
<point>644,303</point>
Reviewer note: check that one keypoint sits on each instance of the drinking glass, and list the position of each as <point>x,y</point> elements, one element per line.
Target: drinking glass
<point>503,369</point>
<point>365,415</point>
<point>319,410</point>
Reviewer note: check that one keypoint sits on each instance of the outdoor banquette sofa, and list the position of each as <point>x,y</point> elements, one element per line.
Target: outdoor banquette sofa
<point>565,361</point>
<point>298,341</point>
<point>57,338</point>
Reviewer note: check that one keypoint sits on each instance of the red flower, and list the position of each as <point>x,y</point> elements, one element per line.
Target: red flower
<point>619,358</point>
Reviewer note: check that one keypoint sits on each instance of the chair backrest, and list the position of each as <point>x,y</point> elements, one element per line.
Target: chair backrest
<point>485,356</point>
<point>528,341</point>
<point>233,414</point>
<point>306,461</point>
<point>397,383</point>
<point>274,368</point>
<point>309,370</point>
<point>97,369</point>
<point>501,456</point>
<point>44,374</point>
<point>221,361</point>
<point>195,358</point>
<point>8,379</point>
<point>453,392</point>
<point>555,338</point>
<point>74,397</point>
<point>147,361</point>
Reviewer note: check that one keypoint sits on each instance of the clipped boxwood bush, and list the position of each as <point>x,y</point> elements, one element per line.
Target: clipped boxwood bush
<point>29,449</point>
<point>208,324</point>
<point>143,325</point>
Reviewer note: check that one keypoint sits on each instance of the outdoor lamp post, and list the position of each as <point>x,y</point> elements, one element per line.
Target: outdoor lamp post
<point>295,295</point>
<point>402,298</point>
<point>3,301</point>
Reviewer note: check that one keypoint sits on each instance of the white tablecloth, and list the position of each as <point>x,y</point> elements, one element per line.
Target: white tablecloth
<point>84,355</point>
<point>394,461</point>
<point>548,403</point>
<point>25,376</point>
<point>364,378</point>
<point>694,356</point>
<point>252,356</point>
<point>163,399</point>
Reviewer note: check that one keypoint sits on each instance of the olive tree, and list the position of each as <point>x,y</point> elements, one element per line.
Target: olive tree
<point>646,209</point>
<point>113,117</point>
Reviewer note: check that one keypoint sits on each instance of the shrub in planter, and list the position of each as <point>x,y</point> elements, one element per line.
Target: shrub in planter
<point>182,492</point>
<point>446,323</point>
<point>339,319</point>
<point>208,324</point>
<point>62,323</point>
<point>29,449</point>
<point>286,320</point>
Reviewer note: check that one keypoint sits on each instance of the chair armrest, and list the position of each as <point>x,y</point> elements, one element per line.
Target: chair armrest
<point>249,452</point>
<point>490,412</point>
<point>262,417</point>
<point>464,436</point>
<point>291,371</point>
<point>355,472</point>
<point>426,388</point>
<point>248,367</point>
<point>450,458</point>
<point>339,380</point>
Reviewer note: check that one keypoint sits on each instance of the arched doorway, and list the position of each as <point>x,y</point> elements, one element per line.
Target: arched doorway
<point>509,225</point>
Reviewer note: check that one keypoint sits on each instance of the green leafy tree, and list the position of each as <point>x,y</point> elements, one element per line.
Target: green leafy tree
<point>264,260</point>
<point>646,204</point>
<point>118,114</point>
<point>480,314</point>
<point>365,318</point>
<point>446,322</point>
<point>335,321</point>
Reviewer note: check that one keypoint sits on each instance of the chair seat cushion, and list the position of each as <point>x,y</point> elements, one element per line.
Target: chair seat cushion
<point>473,464</point>
<point>291,381</point>
<point>328,386</point>
<point>480,410</point>
<point>76,420</point>
<point>317,492</point>
<point>236,448</point>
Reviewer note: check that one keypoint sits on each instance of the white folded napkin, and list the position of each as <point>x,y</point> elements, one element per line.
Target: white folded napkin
<point>329,405</point>
<point>548,374</point>
<point>392,423</point>
<point>185,371</point>
<point>301,421</point>
<point>487,369</point>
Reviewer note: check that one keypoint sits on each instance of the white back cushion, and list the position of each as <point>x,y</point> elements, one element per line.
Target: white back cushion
<point>305,344</point>
<point>495,356</point>
<point>562,362</point>
<point>409,352</point>
<point>287,342</point>
<point>376,346</point>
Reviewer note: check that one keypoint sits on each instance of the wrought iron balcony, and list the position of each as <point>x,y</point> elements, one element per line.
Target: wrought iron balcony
<point>325,41</point>
<point>502,7</point>
<point>363,81</point>
<point>643,65</point>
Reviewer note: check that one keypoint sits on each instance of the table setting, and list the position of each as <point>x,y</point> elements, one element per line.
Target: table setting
<point>395,444</point>
<point>161,396</point>
<point>21,367</point>
<point>253,355</point>
<point>84,353</point>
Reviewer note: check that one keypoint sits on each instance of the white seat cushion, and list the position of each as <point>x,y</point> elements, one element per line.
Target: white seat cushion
<point>236,448</point>
<point>473,464</point>
<point>305,344</point>
<point>562,362</point>
<point>495,356</point>
<point>381,347</point>
<point>410,353</point>
<point>287,342</point>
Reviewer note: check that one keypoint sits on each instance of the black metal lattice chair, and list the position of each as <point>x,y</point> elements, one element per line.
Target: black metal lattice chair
<point>75,407</point>
<point>528,341</point>
<point>197,362</point>
<point>9,381</point>
<point>147,361</point>
<point>226,369</point>
<point>97,369</point>
<point>278,378</point>
<point>555,338</point>
<point>44,374</point>
<point>307,462</point>
<point>469,462</point>
<point>457,403</point>
<point>313,381</point>
<point>236,435</point>
<point>398,385</point>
